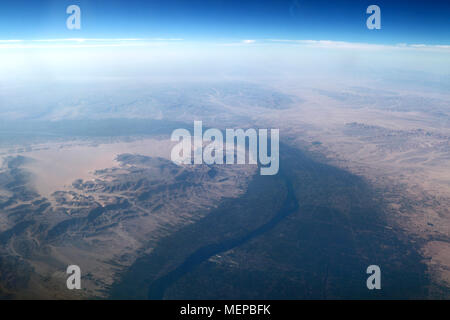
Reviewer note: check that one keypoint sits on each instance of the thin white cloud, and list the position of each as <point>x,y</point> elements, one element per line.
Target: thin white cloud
<point>130,42</point>
<point>105,39</point>
<point>82,43</point>
<point>238,43</point>
<point>330,44</point>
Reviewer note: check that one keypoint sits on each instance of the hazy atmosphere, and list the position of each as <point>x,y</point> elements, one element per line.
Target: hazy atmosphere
<point>88,115</point>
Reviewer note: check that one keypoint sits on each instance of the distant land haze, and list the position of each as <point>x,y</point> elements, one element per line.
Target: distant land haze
<point>86,176</point>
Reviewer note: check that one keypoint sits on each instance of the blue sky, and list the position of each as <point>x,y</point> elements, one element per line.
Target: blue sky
<point>412,22</point>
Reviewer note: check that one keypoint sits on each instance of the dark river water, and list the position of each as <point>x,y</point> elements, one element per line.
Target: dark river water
<point>157,288</point>
<point>327,249</point>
